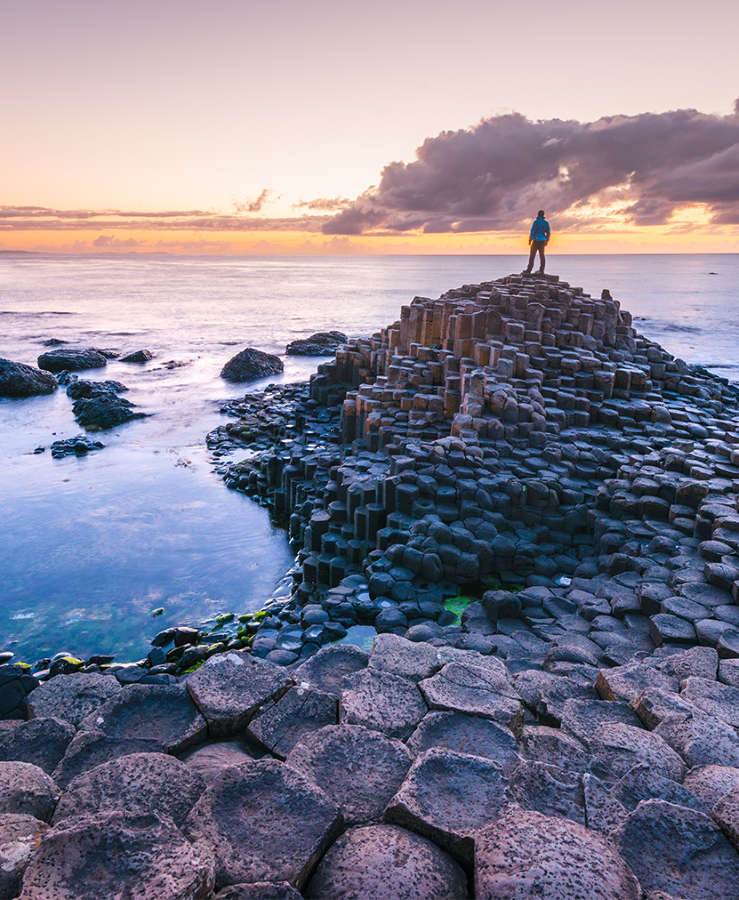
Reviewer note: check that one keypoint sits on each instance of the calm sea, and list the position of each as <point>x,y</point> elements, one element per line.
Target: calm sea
<point>88,547</point>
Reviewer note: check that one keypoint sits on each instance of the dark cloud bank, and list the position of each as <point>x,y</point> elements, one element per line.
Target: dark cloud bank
<point>494,176</point>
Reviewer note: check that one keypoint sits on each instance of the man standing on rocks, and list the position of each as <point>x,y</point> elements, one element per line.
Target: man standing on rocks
<point>538,239</point>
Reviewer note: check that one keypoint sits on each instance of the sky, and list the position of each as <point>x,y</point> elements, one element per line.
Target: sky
<point>333,126</point>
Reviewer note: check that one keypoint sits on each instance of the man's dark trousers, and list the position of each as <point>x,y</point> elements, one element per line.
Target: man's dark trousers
<point>536,247</point>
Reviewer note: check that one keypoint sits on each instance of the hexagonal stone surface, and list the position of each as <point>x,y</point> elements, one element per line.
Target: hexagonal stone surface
<point>134,784</point>
<point>545,693</point>
<point>555,748</point>
<point>603,812</point>
<point>211,759</point>
<point>713,698</point>
<point>161,713</point>
<point>358,769</point>
<point>263,821</point>
<point>711,783</point>
<point>472,689</point>
<point>678,850</point>
<point>72,697</point>
<point>326,670</point>
<point>463,733</point>
<point>653,706</point>
<point>138,857</point>
<point>527,854</point>
<point>230,687</point>
<point>280,724</point>
<point>259,890</point>
<point>395,654</point>
<point>628,682</point>
<point>26,789</point>
<point>617,748</point>
<point>548,790</point>
<point>582,718</point>
<point>42,742</point>
<point>447,796</point>
<point>701,740</point>
<point>20,835</point>
<point>88,749</point>
<point>726,815</point>
<point>378,862</point>
<point>381,701</point>
<point>644,783</point>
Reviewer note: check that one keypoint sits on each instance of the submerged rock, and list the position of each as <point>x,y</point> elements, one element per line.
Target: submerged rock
<point>251,364</point>
<point>98,407</point>
<point>79,446</point>
<point>20,380</point>
<point>321,343</point>
<point>69,359</point>
<point>138,356</point>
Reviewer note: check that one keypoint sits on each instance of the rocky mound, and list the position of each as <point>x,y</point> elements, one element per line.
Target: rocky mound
<point>322,343</point>
<point>20,380</point>
<point>69,359</point>
<point>98,406</point>
<point>251,364</point>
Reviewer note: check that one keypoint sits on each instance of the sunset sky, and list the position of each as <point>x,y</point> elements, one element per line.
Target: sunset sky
<point>331,126</point>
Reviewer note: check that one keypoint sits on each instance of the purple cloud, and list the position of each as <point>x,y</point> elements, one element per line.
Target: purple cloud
<point>494,176</point>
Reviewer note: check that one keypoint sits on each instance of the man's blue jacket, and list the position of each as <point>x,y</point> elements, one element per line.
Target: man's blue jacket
<point>540,230</point>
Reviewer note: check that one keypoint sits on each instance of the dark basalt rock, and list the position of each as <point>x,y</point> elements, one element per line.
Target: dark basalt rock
<point>251,364</point>
<point>77,446</point>
<point>98,407</point>
<point>138,356</point>
<point>42,742</point>
<point>20,380</point>
<point>115,855</point>
<point>68,359</point>
<point>20,836</point>
<point>322,343</point>
<point>89,749</point>
<point>15,685</point>
<point>382,861</point>
<point>27,789</point>
<point>72,697</point>
<point>527,854</point>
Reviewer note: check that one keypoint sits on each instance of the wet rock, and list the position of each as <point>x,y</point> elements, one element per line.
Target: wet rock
<point>138,356</point>
<point>462,733</point>
<point>134,784</point>
<point>392,653</point>
<point>163,714</point>
<point>68,359</point>
<point>321,343</point>
<point>77,446</point>
<point>618,748</point>
<point>358,769</point>
<point>381,702</point>
<point>138,857</point>
<point>263,821</point>
<point>251,364</point>
<point>382,861</point>
<point>99,407</point>
<point>89,749</point>
<point>711,783</point>
<point>678,850</point>
<point>447,796</point>
<point>42,742</point>
<point>15,686</point>
<point>526,854</point>
<point>280,724</point>
<point>25,789</point>
<point>20,836</point>
<point>472,689</point>
<point>210,760</point>
<point>230,687</point>
<point>72,697</point>
<point>20,380</point>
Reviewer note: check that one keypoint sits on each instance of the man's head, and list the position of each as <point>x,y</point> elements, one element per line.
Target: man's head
<point>540,214</point>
